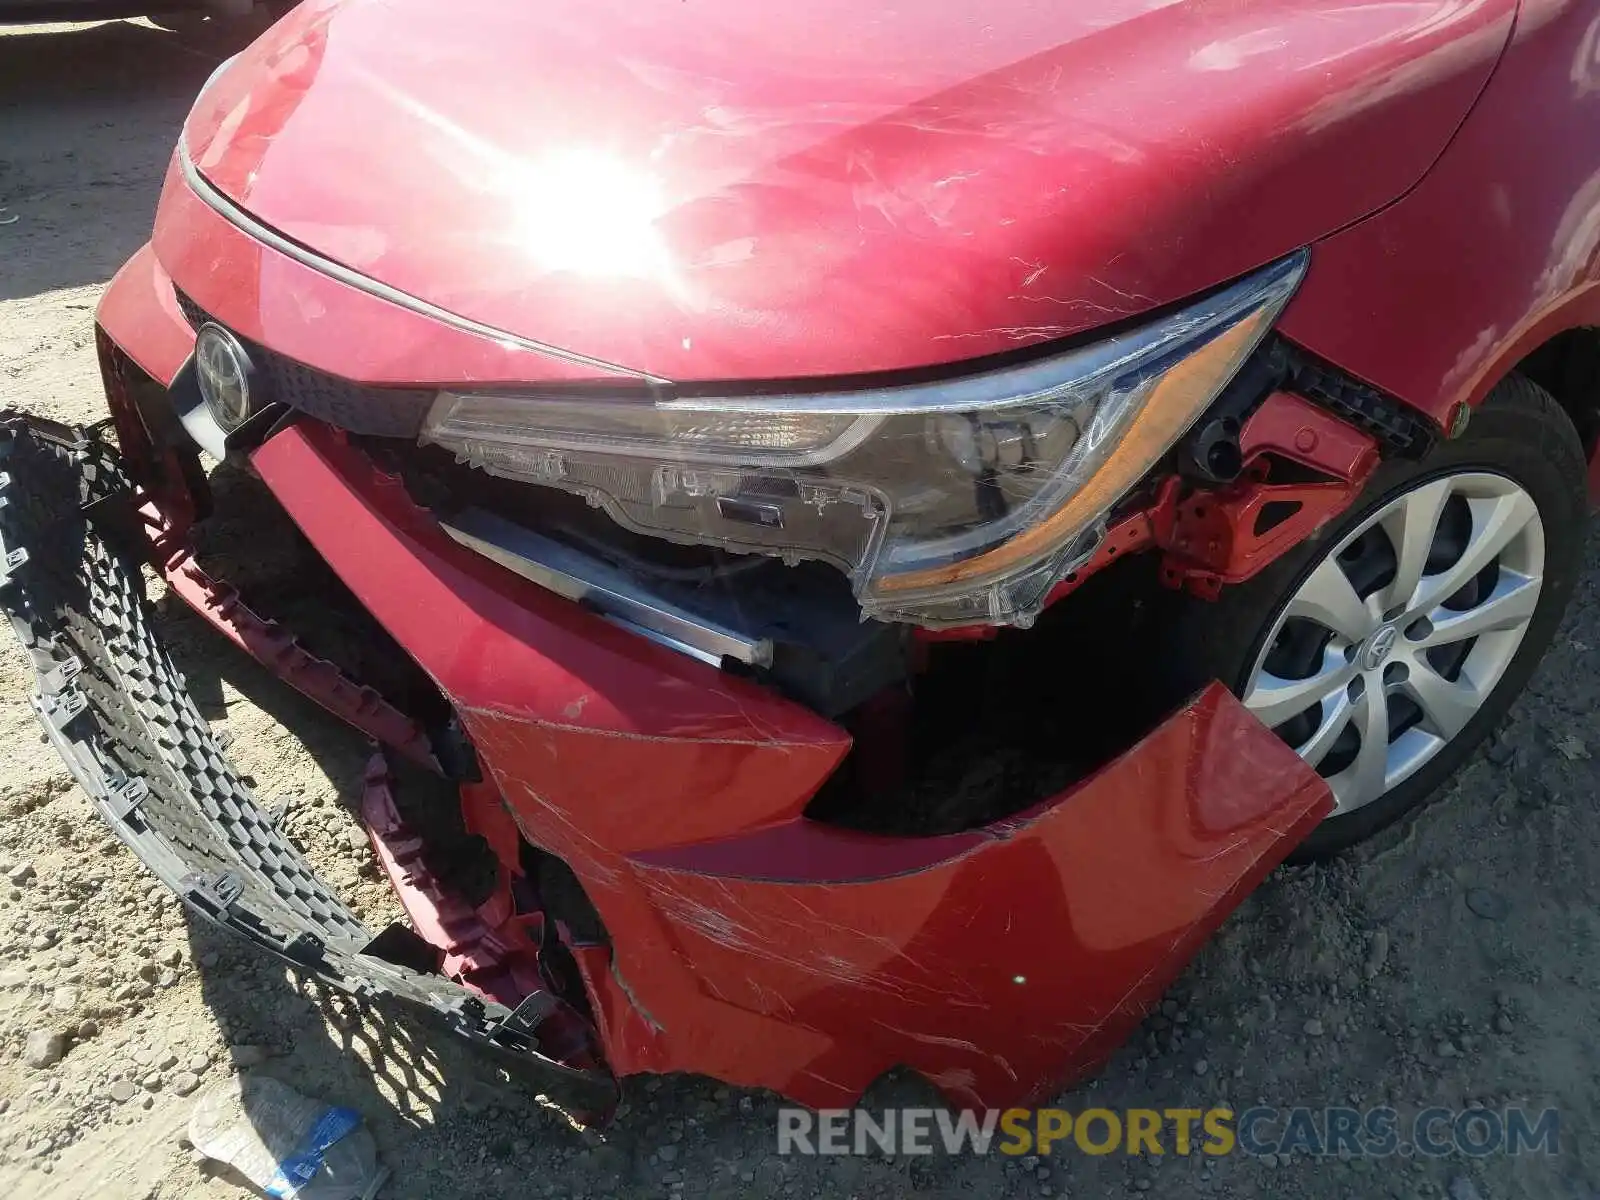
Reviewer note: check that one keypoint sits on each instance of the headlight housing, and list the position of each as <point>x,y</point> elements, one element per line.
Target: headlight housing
<point>954,502</point>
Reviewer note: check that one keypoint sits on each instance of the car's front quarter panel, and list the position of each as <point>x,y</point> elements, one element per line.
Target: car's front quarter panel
<point>1435,298</point>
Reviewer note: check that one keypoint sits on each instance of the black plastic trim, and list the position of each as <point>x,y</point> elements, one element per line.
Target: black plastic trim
<point>109,697</point>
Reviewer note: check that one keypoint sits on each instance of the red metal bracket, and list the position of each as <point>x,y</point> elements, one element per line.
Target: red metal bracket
<point>1296,429</point>
<point>494,949</point>
<point>1129,535</point>
<point>1227,535</point>
<point>275,648</point>
<point>167,508</point>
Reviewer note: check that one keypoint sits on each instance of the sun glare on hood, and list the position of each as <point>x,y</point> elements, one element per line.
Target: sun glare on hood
<point>583,211</point>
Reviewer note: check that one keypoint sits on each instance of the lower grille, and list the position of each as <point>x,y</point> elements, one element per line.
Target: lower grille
<point>114,705</point>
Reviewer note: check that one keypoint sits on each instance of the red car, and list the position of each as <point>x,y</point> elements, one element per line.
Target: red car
<point>885,522</point>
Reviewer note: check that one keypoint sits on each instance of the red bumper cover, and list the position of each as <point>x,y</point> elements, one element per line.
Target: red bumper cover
<point>743,940</point>
<point>750,943</point>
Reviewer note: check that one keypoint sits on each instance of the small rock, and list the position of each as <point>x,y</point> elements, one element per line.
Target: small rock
<point>197,1064</point>
<point>1462,1188</point>
<point>122,1090</point>
<point>1447,1049</point>
<point>87,1029</point>
<point>172,956</point>
<point>151,1082</point>
<point>1201,1067</point>
<point>245,1057</point>
<point>20,873</point>
<point>1571,747</point>
<point>667,1153</point>
<point>185,1082</point>
<point>1377,952</point>
<point>1503,1023</point>
<point>15,977</point>
<point>1313,1028</point>
<point>64,1000</point>
<point>1491,906</point>
<point>44,1049</point>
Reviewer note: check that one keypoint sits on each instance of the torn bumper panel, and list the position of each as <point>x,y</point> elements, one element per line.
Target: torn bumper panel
<point>746,941</point>
<point>734,936</point>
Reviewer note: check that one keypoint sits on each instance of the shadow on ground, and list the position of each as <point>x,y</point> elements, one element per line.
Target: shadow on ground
<point>87,119</point>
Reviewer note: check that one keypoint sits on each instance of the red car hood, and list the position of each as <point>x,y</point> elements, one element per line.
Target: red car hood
<point>706,189</point>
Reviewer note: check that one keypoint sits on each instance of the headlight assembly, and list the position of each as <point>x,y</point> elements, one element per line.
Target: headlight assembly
<point>952,502</point>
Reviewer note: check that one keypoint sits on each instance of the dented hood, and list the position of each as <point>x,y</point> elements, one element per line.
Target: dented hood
<point>720,189</point>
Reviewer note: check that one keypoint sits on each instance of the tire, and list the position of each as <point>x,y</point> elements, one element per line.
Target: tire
<point>1521,434</point>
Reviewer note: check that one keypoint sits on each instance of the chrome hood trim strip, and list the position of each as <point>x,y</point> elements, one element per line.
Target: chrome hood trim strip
<point>238,217</point>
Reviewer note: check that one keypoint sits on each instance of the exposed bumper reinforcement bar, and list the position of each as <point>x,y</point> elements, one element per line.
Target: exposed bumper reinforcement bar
<point>585,580</point>
<point>116,709</point>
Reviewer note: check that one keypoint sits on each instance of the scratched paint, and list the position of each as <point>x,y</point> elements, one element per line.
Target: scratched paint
<point>736,191</point>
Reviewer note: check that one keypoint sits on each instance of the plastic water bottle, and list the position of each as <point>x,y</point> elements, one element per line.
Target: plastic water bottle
<point>288,1145</point>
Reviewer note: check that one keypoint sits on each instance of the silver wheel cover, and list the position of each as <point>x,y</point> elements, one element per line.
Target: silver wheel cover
<point>1404,668</point>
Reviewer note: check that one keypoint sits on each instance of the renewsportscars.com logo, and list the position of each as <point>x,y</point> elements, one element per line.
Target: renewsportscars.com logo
<point>1339,1132</point>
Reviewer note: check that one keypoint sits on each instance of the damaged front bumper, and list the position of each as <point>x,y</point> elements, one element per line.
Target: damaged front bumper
<point>748,941</point>
<point>662,899</point>
<point>728,934</point>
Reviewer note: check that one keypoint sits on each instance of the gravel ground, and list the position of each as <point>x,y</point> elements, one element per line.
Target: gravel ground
<point>1455,961</point>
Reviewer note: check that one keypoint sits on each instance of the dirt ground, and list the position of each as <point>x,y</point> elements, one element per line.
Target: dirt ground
<point>1455,961</point>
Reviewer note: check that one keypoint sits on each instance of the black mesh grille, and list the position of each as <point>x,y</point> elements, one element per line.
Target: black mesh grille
<point>115,706</point>
<point>191,311</point>
<point>359,408</point>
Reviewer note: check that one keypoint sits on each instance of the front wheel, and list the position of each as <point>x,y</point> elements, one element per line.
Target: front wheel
<point>1388,645</point>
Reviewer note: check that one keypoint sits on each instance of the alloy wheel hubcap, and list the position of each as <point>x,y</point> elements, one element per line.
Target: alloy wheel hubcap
<point>1375,650</point>
<point>1399,635</point>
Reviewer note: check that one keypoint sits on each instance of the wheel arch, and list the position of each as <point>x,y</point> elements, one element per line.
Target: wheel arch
<point>1567,365</point>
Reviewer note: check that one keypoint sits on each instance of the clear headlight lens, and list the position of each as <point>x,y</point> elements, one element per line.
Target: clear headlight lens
<point>953,502</point>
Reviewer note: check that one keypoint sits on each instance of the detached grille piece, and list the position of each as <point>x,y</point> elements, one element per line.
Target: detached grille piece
<point>115,707</point>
